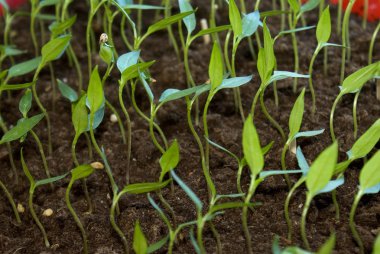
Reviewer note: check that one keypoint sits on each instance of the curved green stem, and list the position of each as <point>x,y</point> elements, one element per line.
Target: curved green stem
<point>295,50</point>
<point>332,117</point>
<point>336,205</point>
<point>129,132</point>
<point>252,187</point>
<point>345,38</point>
<point>170,30</point>
<point>373,39</point>
<point>114,224</point>
<point>303,220</point>
<point>9,148</point>
<point>286,206</point>
<point>268,116</point>
<point>354,114</point>
<point>283,162</point>
<point>355,233</point>
<point>311,87</point>
<point>41,150</point>
<point>35,217</point>
<point>11,201</point>
<point>339,17</point>
<point>238,102</point>
<point>200,226</point>
<point>76,218</point>
<point>254,102</point>
<point>151,131</point>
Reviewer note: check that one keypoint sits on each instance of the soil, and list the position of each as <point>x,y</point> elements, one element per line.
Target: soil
<point>266,220</point>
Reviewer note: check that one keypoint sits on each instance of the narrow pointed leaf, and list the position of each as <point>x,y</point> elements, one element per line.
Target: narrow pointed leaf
<point>127,60</point>
<point>169,159</point>
<point>250,23</point>
<point>324,26</point>
<point>11,87</point>
<point>188,191</point>
<point>50,180</point>
<point>370,174</point>
<point>140,244</point>
<point>67,91</point>
<point>322,169</point>
<point>235,82</point>
<point>164,23</point>
<point>296,115</point>
<point>280,75</point>
<point>235,18</point>
<point>190,21</point>
<point>309,5</point>
<point>22,128</point>
<point>215,69</point>
<point>303,134</point>
<point>95,93</point>
<point>328,246</point>
<point>366,142</point>
<point>54,49</point>
<point>211,30</point>
<point>81,172</point>
<point>175,94</point>
<point>157,245</point>
<point>24,67</point>
<point>357,79</point>
<point>332,185</point>
<point>251,147</point>
<point>80,117</point>
<point>26,102</point>
<point>139,188</point>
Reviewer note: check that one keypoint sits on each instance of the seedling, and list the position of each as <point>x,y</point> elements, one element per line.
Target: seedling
<point>79,172</point>
<point>326,248</point>
<point>353,84</point>
<point>33,186</point>
<point>317,180</point>
<point>369,180</point>
<point>137,188</point>
<point>297,10</point>
<point>11,201</point>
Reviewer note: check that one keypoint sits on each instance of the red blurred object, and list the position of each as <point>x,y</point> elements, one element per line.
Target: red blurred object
<point>13,4</point>
<point>358,8</point>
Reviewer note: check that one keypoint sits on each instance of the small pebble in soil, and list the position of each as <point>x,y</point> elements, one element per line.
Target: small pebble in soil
<point>113,118</point>
<point>20,208</point>
<point>97,165</point>
<point>48,212</point>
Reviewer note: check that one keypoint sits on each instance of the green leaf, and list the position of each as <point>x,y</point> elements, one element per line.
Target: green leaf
<point>269,57</point>
<point>80,117</point>
<point>67,91</point>
<point>106,54</point>
<point>98,118</point>
<point>175,94</point>
<point>322,169</point>
<point>81,172</point>
<point>8,87</point>
<point>25,103</point>
<point>140,244</point>
<point>296,116</point>
<point>22,128</point>
<point>134,70</point>
<point>228,205</point>
<point>58,28</point>
<point>308,133</point>
<point>357,79</point>
<point>188,191</point>
<point>24,67</point>
<point>215,69</point>
<point>143,7</point>
<point>370,174</point>
<point>11,50</point>
<point>95,93</point>
<point>328,246</point>
<point>234,82</point>
<point>376,247</point>
<point>164,23</point>
<point>309,5</point>
<point>235,18</point>
<point>251,147</point>
<point>50,180</point>
<point>250,23</point>
<point>211,30</point>
<point>127,60</point>
<point>299,29</point>
<point>158,245</point>
<point>146,87</point>
<point>280,75</point>
<point>169,159</point>
<point>54,49</point>
<point>190,21</point>
<point>294,5</point>
<point>139,188</point>
<point>324,26</point>
<point>366,142</point>
<point>45,3</point>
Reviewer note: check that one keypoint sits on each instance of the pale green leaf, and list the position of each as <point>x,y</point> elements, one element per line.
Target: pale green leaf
<point>95,93</point>
<point>296,116</point>
<point>54,49</point>
<point>140,244</point>
<point>81,172</point>
<point>324,26</point>
<point>370,174</point>
<point>22,128</point>
<point>215,69</point>
<point>235,18</point>
<point>169,159</point>
<point>251,147</point>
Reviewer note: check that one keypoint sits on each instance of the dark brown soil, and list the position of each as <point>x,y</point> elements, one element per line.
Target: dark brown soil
<point>225,125</point>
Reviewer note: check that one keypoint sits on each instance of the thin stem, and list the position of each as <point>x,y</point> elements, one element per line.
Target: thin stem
<point>339,17</point>
<point>120,123</point>
<point>373,39</point>
<point>89,146</point>
<point>11,201</point>
<point>9,148</point>
<point>336,205</point>
<point>303,220</point>
<point>76,218</point>
<point>114,224</point>
<point>268,116</point>
<point>84,185</point>
<point>252,187</point>
<point>217,237</point>
<point>170,30</point>
<point>32,28</point>
<point>151,131</point>
<point>365,15</point>
<point>123,35</point>
<point>311,87</point>
<point>200,226</point>
<point>254,102</point>
<point>238,103</point>
<point>129,132</point>
<point>77,68</point>
<point>35,217</point>
<point>41,150</point>
<point>332,118</point>
<point>286,206</point>
<point>283,162</point>
<point>345,38</point>
<point>355,233</point>
<point>282,6</point>
<point>354,114</point>
<point>295,52</point>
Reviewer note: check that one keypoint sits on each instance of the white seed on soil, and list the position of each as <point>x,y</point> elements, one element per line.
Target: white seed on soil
<point>97,165</point>
<point>300,206</point>
<point>48,212</point>
<point>20,208</point>
<point>113,118</point>
<point>204,26</point>
<point>65,80</point>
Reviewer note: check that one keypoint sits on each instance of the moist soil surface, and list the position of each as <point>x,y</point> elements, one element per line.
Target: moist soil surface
<point>225,126</point>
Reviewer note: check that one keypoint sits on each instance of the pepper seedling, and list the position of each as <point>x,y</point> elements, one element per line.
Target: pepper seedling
<point>369,180</point>
<point>78,173</point>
